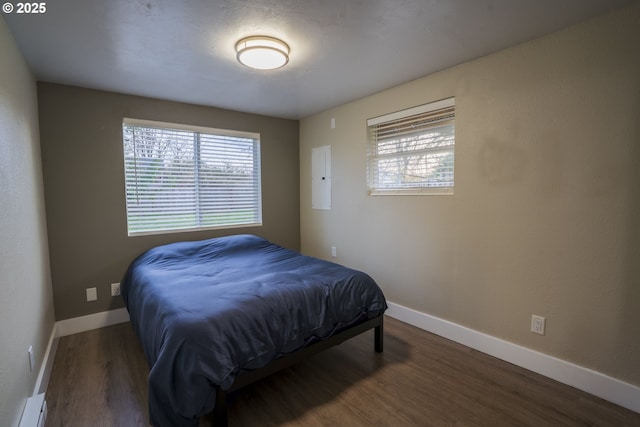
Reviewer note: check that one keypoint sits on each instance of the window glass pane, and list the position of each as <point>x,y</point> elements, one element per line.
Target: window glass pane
<point>179,179</point>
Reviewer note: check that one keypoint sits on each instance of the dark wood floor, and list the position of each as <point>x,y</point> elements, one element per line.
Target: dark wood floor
<point>99,379</point>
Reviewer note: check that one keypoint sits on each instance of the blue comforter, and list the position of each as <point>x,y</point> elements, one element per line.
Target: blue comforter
<point>206,310</point>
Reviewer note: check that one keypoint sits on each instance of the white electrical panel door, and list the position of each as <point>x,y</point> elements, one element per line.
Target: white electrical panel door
<point>321,177</point>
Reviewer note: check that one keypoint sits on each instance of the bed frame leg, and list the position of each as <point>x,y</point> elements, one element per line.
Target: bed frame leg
<point>378,340</point>
<point>220,410</point>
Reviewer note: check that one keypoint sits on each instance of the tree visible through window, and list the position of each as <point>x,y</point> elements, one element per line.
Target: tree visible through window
<point>412,151</point>
<point>180,178</point>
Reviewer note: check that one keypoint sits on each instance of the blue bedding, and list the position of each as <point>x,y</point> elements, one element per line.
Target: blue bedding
<point>207,310</point>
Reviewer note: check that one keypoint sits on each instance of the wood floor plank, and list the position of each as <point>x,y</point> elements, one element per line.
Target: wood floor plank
<point>99,379</point>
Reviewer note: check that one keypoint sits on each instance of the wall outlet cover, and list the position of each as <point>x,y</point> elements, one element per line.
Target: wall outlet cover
<point>92,294</point>
<point>115,289</point>
<point>537,324</point>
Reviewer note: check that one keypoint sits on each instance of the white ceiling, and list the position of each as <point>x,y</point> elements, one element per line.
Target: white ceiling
<point>340,50</point>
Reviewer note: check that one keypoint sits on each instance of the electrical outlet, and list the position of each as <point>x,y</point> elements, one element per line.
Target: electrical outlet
<point>334,251</point>
<point>31,361</point>
<point>537,324</point>
<point>115,289</point>
<point>92,294</point>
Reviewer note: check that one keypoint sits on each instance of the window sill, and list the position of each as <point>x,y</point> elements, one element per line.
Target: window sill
<point>412,192</point>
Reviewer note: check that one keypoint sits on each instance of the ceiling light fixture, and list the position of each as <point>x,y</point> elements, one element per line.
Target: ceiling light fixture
<point>262,52</point>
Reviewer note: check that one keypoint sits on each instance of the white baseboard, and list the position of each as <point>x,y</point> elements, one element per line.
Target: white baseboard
<point>592,382</point>
<point>91,321</point>
<point>47,363</point>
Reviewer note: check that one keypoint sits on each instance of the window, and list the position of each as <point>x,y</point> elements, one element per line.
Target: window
<point>412,151</point>
<point>181,178</point>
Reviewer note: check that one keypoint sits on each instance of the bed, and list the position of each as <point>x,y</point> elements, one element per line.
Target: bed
<point>217,314</point>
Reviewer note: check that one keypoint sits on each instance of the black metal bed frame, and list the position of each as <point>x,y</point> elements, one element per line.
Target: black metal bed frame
<point>220,418</point>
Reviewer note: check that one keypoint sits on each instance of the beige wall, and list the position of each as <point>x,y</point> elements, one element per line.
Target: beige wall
<point>546,213</point>
<point>26,305</point>
<point>81,133</point>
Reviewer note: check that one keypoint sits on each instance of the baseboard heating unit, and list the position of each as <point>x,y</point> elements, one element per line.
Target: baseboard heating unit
<point>35,412</point>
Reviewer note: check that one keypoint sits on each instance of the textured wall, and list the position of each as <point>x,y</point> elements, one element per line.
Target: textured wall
<point>83,161</point>
<point>26,306</point>
<point>544,219</point>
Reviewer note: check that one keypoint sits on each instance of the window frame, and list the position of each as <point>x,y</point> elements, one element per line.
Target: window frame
<point>256,174</point>
<point>374,187</point>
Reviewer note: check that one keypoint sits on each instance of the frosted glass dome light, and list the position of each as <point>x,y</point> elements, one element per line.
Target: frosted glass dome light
<point>262,52</point>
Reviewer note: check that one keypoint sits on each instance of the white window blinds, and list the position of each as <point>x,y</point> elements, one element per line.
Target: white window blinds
<point>412,151</point>
<point>181,178</point>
